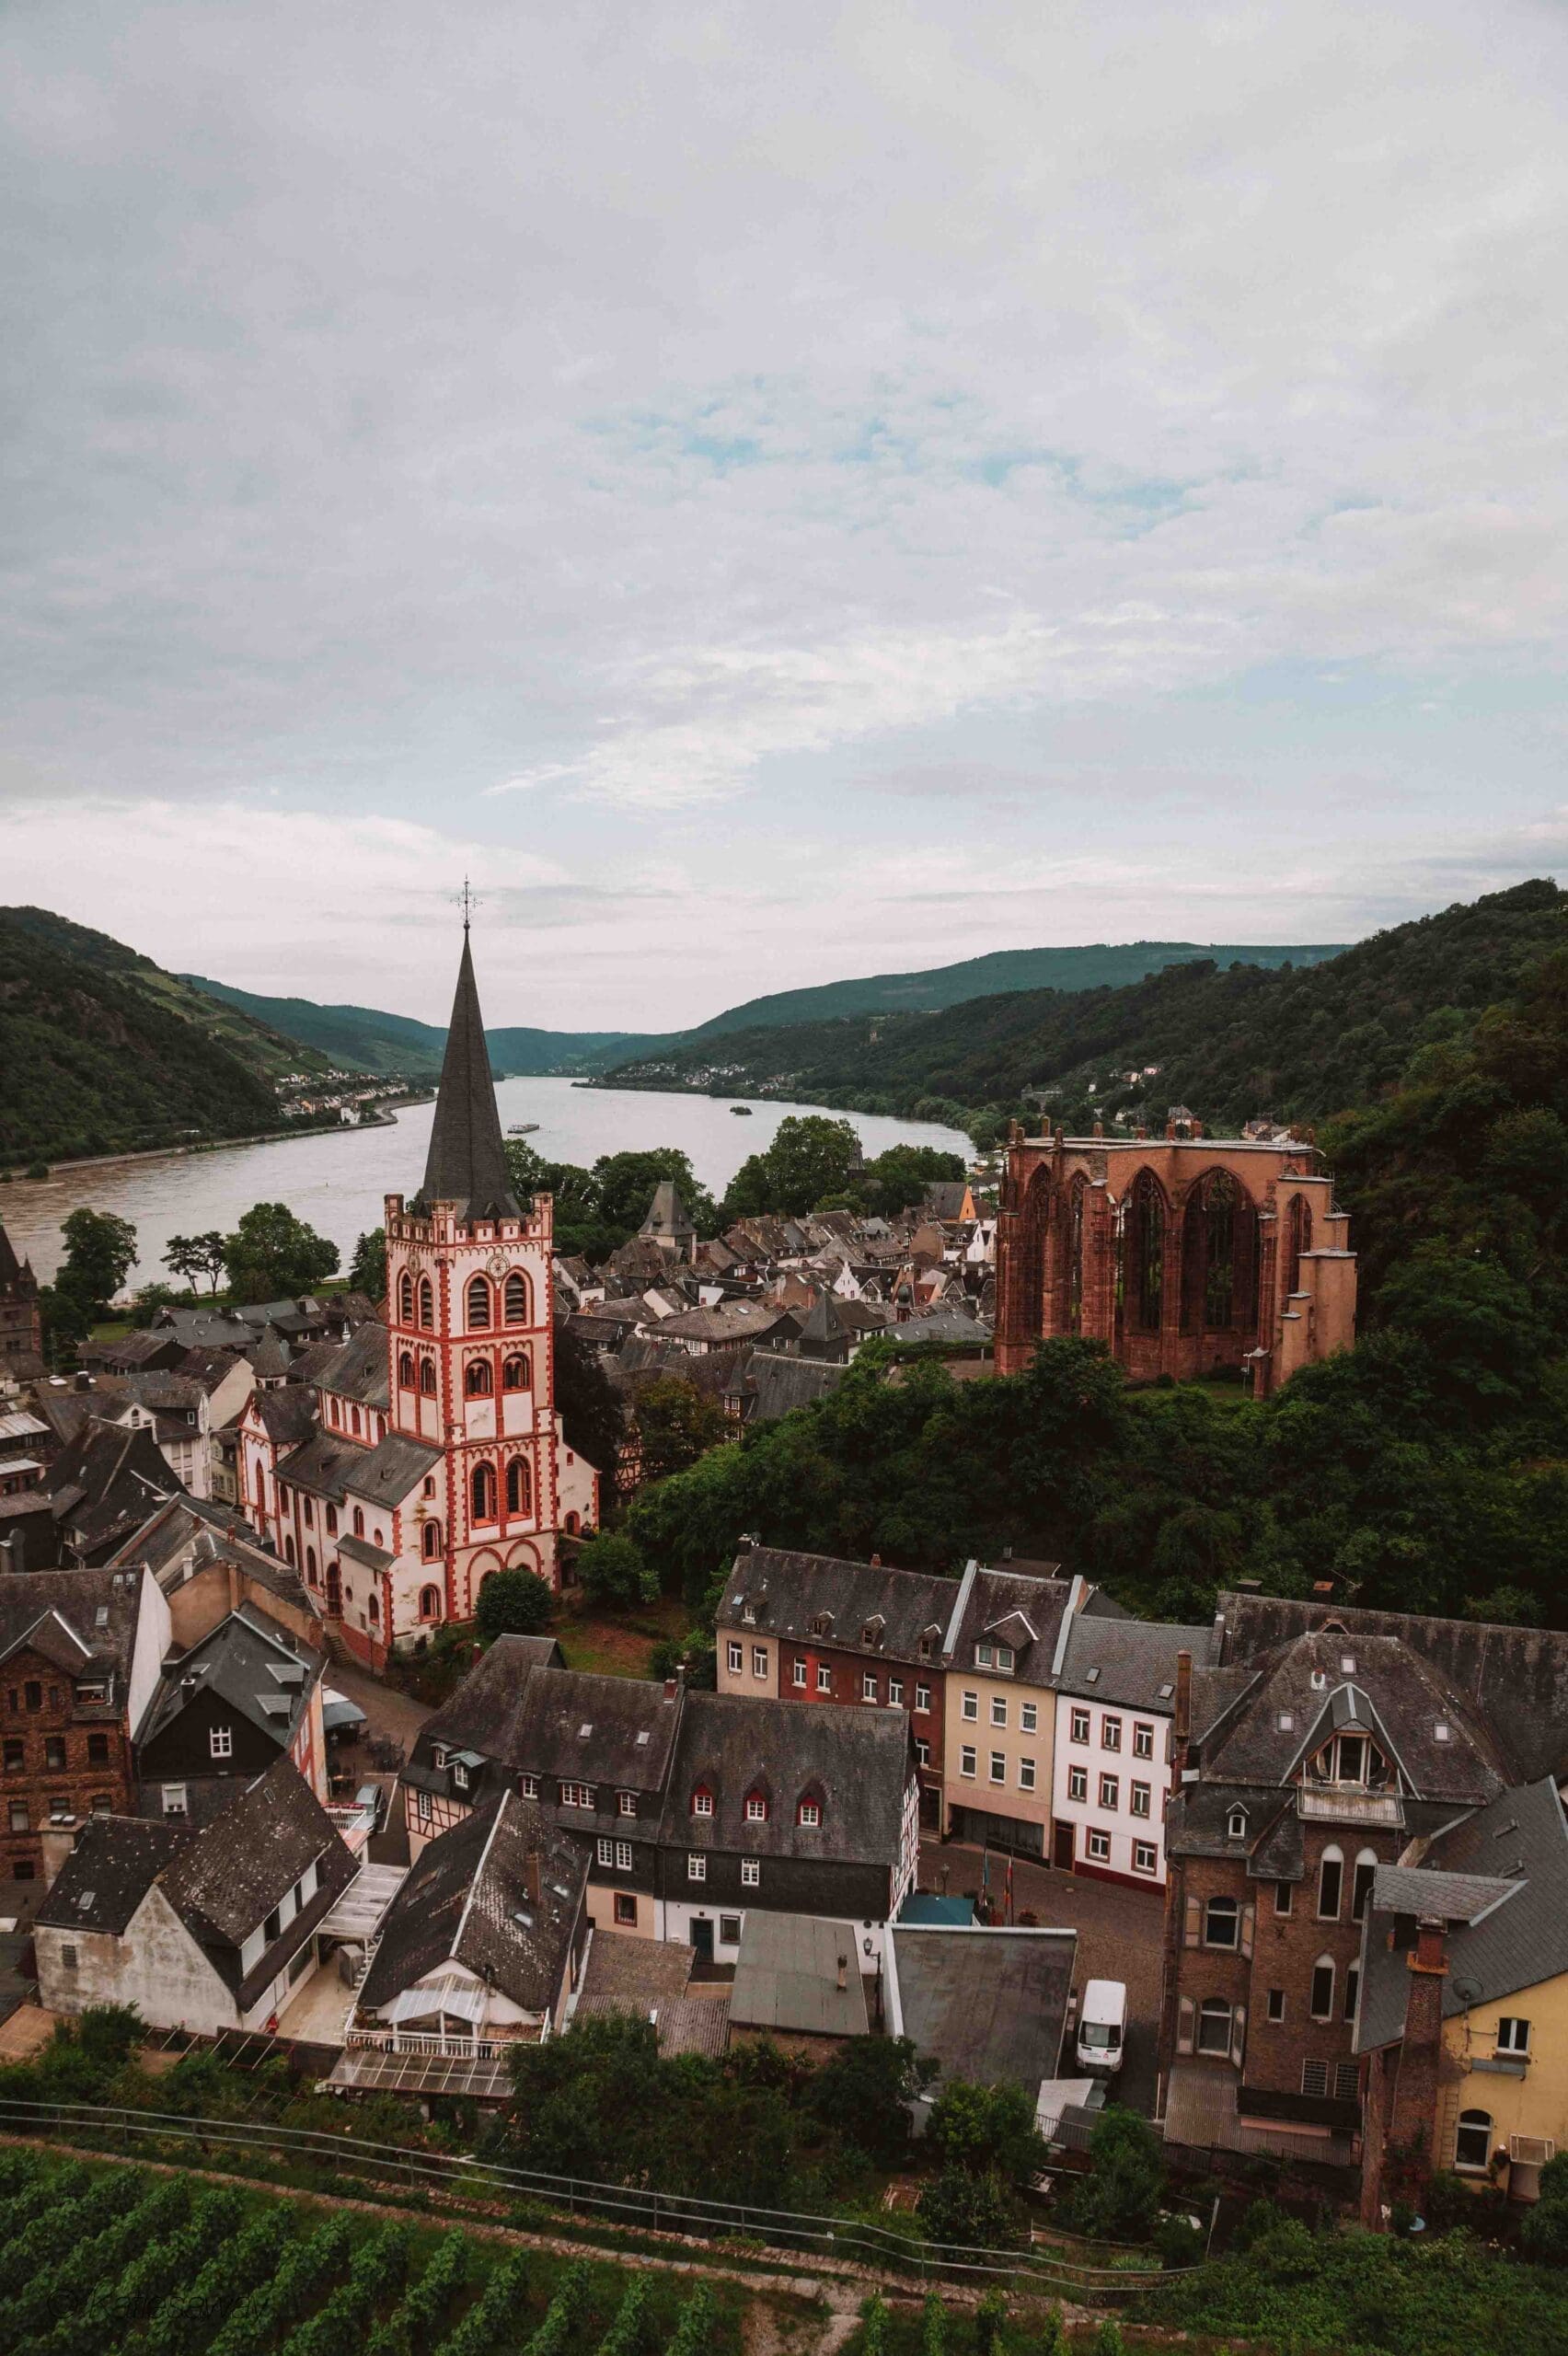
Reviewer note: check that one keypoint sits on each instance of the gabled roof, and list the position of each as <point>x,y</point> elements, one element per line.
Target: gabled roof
<point>1136,1661</point>
<point>856,1764</point>
<point>252,1664</point>
<point>357,1370</point>
<point>114,1864</point>
<point>787,1590</point>
<point>287,1416</point>
<point>392,1470</point>
<point>773,1385</point>
<point>667,1215</point>
<point>106,1481</point>
<point>467,1163</point>
<point>469,1900</point>
<point>992,1596</point>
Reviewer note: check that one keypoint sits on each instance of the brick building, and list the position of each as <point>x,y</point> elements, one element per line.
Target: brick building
<point>80,1657</point>
<point>1320,1747</point>
<point>1183,1254</point>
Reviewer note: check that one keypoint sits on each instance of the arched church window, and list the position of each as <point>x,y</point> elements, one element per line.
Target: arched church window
<point>426,1305</point>
<point>405,1370</point>
<point>515,1299</point>
<point>406,1297</point>
<point>516,1374</point>
<point>430,1541</point>
<point>519,1486</point>
<point>478,1380</point>
<point>481,1492</point>
<point>430,1603</point>
<point>427,1377</point>
<point>478,1304</point>
<point>1144,1244</point>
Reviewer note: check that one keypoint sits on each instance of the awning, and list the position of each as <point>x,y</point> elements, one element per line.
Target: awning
<point>418,2004</point>
<point>338,1711</point>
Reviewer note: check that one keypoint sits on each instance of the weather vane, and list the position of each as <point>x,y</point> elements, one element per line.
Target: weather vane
<point>468,900</point>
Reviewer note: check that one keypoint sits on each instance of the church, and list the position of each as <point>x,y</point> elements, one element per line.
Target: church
<point>428,1452</point>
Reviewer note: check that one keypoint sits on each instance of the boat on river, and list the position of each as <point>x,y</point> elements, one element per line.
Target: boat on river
<point>521,1128</point>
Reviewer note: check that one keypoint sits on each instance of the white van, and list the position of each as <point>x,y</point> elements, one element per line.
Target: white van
<point>1102,2027</point>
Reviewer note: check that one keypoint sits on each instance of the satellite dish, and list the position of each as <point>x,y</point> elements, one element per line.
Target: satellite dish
<point>1466,1991</point>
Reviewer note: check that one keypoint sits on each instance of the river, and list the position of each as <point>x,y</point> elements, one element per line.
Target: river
<point>336,1179</point>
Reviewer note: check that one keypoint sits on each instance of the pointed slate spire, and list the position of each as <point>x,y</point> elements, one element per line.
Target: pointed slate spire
<point>467,1164</point>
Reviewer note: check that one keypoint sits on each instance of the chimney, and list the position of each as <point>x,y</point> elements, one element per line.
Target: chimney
<point>1182,1721</point>
<point>743,1543</point>
<point>83,1380</point>
<point>876,1561</point>
<point>531,1875</point>
<point>843,1972</point>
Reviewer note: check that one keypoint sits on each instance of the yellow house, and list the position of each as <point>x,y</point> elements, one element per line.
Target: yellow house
<point>1462,2004</point>
<point>1001,1711</point>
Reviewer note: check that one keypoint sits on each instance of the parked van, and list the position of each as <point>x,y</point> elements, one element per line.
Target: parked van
<point>1102,2027</point>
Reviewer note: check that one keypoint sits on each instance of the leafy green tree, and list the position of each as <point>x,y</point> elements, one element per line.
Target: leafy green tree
<point>899,1177</point>
<point>100,1250</point>
<point>1120,2196</point>
<point>610,1571</point>
<point>969,2211</point>
<point>272,1255</point>
<point>591,1417</point>
<point>677,1423</point>
<point>514,1604</point>
<point>367,1269</point>
<point>810,1157</point>
<point>987,2130</point>
<point>864,2091</point>
<point>626,1184</point>
<point>197,1256</point>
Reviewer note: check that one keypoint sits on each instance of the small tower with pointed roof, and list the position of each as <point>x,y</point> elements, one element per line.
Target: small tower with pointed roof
<point>669,1223</point>
<point>470,1349</point>
<point>21,1328</point>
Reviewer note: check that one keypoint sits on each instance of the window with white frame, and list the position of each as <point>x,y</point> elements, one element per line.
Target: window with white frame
<point>1005,1659</point>
<point>798,1673</point>
<point>983,1657</point>
<point>174,1800</point>
<point>998,1709</point>
<point>1111,1734</point>
<point>1100,1847</point>
<point>577,1795</point>
<point>1145,1857</point>
<point>736,1654</point>
<point>697,1866</point>
<point>1143,1739</point>
<point>422,1808</point>
<point>1078,1727</point>
<point>966,1760</point>
<point>606,1853</point>
<point>1512,2034</point>
<point>824,1678</point>
<point>1026,1775</point>
<point>1472,2142</point>
<point>1222,1923</point>
<point>922,1752</point>
<point>1213,2026</point>
<point>1029,1717</point>
<point>1142,1799</point>
<point>530,1787</point>
<point>756,1808</point>
<point>623,1857</point>
<point>1078,1783</point>
<point>759,1661</point>
<point>922,1697</point>
<point>1110,1791</point>
<point>895,1692</point>
<point>809,1813</point>
<point>970,1705</point>
<point>220,1741</point>
<point>626,1803</point>
<point>701,1801</point>
<point>998,1766</point>
<point>868,1685</point>
<point>751,1872</point>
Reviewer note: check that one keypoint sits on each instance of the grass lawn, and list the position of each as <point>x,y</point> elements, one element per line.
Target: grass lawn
<point>618,1643</point>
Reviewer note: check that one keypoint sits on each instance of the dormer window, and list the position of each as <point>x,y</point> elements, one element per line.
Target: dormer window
<point>809,1814</point>
<point>702,1801</point>
<point>459,1775</point>
<point>983,1656</point>
<point>822,1623</point>
<point>1235,1824</point>
<point>756,1808</point>
<point>1005,1659</point>
<point>927,1643</point>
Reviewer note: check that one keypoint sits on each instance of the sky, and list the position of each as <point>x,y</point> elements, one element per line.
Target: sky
<point>774,493</point>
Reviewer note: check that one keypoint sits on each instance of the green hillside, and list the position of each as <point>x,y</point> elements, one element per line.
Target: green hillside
<point>1100,965</point>
<point>1233,1044</point>
<point>360,1038</point>
<point>103,1052</point>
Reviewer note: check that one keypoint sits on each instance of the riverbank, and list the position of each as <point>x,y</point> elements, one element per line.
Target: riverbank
<point>383,1114</point>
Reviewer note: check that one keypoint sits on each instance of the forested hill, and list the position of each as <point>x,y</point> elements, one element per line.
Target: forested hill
<point>103,1052</point>
<point>1233,1043</point>
<point>363,1039</point>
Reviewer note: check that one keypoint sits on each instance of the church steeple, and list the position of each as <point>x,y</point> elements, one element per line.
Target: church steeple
<point>467,1164</point>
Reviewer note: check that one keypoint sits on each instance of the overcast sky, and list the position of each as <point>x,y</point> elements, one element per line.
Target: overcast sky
<point>774,492</point>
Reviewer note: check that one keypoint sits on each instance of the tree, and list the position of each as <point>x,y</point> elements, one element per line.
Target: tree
<point>367,1269</point>
<point>987,2130</point>
<point>675,1424</point>
<point>272,1255</point>
<point>626,1183</point>
<point>514,1604</point>
<point>1120,2196</point>
<point>591,1417</point>
<point>197,1256</point>
<point>967,2211</point>
<point>610,1570</point>
<point>100,1250</point>
<point>899,1177</point>
<point>864,2090</point>
<point>810,1157</point>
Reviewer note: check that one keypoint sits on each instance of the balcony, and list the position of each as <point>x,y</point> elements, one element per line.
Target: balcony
<point>1349,1804</point>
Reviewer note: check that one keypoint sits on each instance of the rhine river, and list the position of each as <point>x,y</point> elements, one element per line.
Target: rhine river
<point>336,1179</point>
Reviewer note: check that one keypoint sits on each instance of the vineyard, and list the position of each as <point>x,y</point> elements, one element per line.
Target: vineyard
<point>97,2260</point>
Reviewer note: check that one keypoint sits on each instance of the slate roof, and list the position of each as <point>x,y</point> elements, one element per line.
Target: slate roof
<point>358,1368</point>
<point>467,1163</point>
<point>114,1864</point>
<point>1303,1692</point>
<point>29,1599</point>
<point>939,1325</point>
<point>360,1550</point>
<point>1519,1845</point>
<point>728,1320</point>
<point>287,1416</point>
<point>773,1385</point>
<point>667,1215</point>
<point>1136,1661</point>
<point>995,1597</point>
<point>467,1900</point>
<point>1518,1675</point>
<point>787,1591</point>
<point>323,1462</point>
<point>946,1198</point>
<point>106,1483</point>
<point>391,1469</point>
<point>987,2005</point>
<point>272,1357</point>
<point>609,1730</point>
<point>857,1764</point>
<point>250,1661</point>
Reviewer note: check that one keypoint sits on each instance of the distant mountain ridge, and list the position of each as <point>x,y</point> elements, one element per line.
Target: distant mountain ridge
<point>363,1039</point>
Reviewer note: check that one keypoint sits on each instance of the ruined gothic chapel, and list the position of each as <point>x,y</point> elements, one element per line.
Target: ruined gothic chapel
<point>1185,1255</point>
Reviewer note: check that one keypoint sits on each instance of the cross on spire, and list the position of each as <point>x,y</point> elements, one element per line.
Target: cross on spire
<point>469,900</point>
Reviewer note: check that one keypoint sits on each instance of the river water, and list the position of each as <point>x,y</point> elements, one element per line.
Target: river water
<point>336,1179</point>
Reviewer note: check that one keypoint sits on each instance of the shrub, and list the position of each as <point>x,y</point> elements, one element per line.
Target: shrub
<point>873,2326</point>
<point>933,2327</point>
<point>1179,2241</point>
<point>409,2330</point>
<point>1121,2195</point>
<point>694,2326</point>
<point>514,1604</point>
<point>494,2311</point>
<point>971,2211</point>
<point>273,2305</point>
<point>990,2316</point>
<point>632,2329</point>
